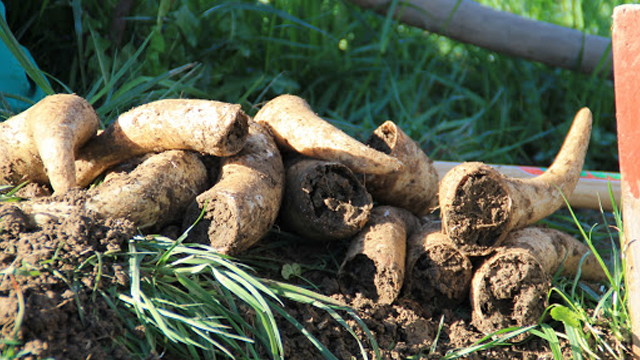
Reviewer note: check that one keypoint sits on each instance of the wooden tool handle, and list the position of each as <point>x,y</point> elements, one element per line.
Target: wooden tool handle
<point>501,31</point>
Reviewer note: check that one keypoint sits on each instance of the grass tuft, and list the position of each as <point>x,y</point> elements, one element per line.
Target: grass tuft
<point>198,303</point>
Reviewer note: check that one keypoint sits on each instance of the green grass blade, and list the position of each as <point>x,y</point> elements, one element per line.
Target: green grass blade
<point>96,94</point>
<point>552,339</point>
<point>101,57</point>
<point>139,90</point>
<point>261,307</point>
<point>574,342</point>
<point>340,320</point>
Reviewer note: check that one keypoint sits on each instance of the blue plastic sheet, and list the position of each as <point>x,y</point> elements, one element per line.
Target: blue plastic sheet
<point>14,80</point>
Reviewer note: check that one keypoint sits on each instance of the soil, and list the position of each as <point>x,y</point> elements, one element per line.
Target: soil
<point>51,283</point>
<point>438,274</point>
<point>375,261</point>
<point>357,276</point>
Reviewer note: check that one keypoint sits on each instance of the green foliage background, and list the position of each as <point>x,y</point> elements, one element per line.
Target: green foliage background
<point>355,67</point>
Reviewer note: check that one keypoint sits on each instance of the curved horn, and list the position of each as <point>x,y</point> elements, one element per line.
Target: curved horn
<point>479,206</point>
<point>296,127</point>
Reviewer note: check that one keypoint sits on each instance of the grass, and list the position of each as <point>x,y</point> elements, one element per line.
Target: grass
<point>356,69</point>
<point>197,304</point>
<point>595,321</point>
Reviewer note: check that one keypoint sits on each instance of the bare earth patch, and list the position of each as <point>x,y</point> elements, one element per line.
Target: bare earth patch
<point>55,280</point>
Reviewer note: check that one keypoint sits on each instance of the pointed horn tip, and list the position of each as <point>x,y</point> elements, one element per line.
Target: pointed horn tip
<point>584,113</point>
<point>583,121</point>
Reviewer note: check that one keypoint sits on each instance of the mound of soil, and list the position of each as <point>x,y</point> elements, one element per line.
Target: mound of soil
<point>402,330</point>
<point>51,303</point>
<point>52,275</point>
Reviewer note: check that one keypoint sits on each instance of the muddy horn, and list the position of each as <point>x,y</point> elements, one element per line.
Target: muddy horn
<point>415,186</point>
<point>375,262</point>
<point>479,206</point>
<point>511,287</point>
<point>296,127</point>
